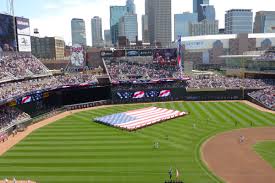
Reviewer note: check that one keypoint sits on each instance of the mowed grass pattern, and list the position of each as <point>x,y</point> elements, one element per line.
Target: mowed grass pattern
<point>267,151</point>
<point>75,149</point>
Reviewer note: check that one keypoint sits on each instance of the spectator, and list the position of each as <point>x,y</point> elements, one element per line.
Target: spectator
<point>9,116</point>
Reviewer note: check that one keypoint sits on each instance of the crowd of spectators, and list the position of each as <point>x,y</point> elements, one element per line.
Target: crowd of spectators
<point>268,56</point>
<point>10,116</point>
<point>149,86</point>
<point>265,97</point>
<point>123,70</point>
<point>18,66</point>
<point>226,82</point>
<point>14,89</point>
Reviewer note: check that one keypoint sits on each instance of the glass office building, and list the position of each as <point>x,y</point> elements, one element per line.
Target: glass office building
<point>264,22</point>
<point>116,12</point>
<point>78,31</point>
<point>182,23</point>
<point>238,21</point>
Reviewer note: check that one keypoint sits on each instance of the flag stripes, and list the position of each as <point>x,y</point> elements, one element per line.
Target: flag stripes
<point>140,118</point>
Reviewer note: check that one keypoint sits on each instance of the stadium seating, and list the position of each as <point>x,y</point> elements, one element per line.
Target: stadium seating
<point>9,116</point>
<point>265,97</point>
<point>19,66</point>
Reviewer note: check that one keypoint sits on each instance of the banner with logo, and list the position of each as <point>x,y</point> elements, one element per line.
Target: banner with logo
<point>24,43</point>
<point>23,26</point>
<point>132,53</point>
<point>144,94</point>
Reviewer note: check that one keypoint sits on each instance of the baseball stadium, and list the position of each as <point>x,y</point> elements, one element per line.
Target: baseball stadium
<point>188,113</point>
<point>135,119</point>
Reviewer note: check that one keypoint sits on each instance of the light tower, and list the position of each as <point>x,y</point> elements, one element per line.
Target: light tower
<point>10,10</point>
<point>10,7</point>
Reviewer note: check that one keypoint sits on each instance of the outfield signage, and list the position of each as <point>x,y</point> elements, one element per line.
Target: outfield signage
<point>23,26</point>
<point>127,53</point>
<point>144,94</point>
<point>24,43</point>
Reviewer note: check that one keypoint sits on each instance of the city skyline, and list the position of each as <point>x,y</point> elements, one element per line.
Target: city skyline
<point>52,18</point>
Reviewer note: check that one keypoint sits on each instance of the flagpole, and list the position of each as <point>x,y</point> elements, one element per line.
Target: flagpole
<point>179,57</point>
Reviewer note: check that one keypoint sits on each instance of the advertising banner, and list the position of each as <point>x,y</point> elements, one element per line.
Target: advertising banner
<point>119,53</point>
<point>107,54</point>
<point>145,53</point>
<point>144,94</point>
<point>23,26</point>
<point>132,53</point>
<point>24,43</point>
<point>77,57</point>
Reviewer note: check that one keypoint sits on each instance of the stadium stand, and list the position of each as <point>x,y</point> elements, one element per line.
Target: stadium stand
<point>265,97</point>
<point>19,66</point>
<point>9,116</point>
<point>15,89</point>
<point>225,82</point>
<point>125,70</point>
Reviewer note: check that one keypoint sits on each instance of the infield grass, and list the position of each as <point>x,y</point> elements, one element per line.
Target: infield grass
<point>75,149</point>
<point>267,151</point>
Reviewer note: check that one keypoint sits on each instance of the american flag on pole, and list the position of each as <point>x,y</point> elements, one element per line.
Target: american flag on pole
<point>140,118</point>
<point>179,51</point>
<point>179,56</point>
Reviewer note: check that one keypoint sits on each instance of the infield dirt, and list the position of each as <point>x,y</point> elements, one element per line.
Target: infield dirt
<point>237,162</point>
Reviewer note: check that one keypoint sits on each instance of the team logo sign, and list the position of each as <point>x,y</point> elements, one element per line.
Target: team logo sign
<point>77,57</point>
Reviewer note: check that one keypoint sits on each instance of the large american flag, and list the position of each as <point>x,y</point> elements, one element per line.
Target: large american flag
<point>139,118</point>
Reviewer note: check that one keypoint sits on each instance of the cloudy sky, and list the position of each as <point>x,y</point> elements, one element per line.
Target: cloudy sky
<point>52,17</point>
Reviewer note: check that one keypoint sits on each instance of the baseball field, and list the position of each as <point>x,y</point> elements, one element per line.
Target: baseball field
<point>76,149</point>
<point>267,151</point>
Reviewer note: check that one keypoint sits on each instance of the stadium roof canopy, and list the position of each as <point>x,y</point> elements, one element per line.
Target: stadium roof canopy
<point>239,56</point>
<point>226,36</point>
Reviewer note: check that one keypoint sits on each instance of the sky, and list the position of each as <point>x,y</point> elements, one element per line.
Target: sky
<point>53,17</point>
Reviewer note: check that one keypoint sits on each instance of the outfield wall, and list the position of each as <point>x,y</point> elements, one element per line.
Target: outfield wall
<point>69,96</point>
<point>153,95</point>
<point>55,99</point>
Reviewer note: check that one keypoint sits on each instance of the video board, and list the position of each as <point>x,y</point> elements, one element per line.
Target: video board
<point>7,33</point>
<point>165,55</point>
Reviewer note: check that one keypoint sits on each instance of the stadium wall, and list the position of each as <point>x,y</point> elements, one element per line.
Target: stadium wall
<point>126,96</point>
<point>56,99</point>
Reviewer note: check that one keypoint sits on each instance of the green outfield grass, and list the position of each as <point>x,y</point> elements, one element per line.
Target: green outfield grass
<point>75,149</point>
<point>267,151</point>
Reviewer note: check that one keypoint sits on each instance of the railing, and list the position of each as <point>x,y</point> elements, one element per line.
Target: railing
<point>87,105</point>
<point>10,126</point>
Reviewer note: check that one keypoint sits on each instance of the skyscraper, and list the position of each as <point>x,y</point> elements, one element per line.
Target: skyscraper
<point>78,31</point>
<point>264,22</point>
<point>97,32</point>
<point>107,38</point>
<point>128,26</point>
<point>182,23</point>
<point>145,29</point>
<point>238,21</point>
<point>197,8</point>
<point>159,21</point>
<point>208,12</point>
<point>116,12</point>
<point>204,28</point>
<point>131,7</point>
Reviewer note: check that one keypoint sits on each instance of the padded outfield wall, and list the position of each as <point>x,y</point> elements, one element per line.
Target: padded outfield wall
<point>154,95</point>
<point>55,99</point>
<point>68,96</point>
